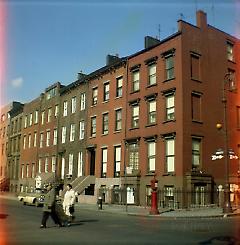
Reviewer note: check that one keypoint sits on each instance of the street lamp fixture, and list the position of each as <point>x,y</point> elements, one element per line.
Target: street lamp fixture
<point>228,85</point>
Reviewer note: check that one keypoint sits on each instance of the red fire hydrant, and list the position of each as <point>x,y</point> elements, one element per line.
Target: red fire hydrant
<point>154,204</point>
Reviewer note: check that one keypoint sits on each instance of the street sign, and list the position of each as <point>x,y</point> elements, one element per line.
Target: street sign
<point>219,154</point>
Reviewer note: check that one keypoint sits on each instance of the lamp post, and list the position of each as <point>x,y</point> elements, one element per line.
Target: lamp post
<point>228,81</point>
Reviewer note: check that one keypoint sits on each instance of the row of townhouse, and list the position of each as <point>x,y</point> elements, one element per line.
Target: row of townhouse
<point>150,114</point>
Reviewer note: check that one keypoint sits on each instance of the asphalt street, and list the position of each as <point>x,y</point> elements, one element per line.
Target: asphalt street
<point>20,225</point>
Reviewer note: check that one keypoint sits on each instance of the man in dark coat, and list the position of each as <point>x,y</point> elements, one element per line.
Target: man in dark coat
<point>49,207</point>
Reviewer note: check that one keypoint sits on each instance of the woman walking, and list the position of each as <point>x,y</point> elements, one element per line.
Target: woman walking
<point>68,202</point>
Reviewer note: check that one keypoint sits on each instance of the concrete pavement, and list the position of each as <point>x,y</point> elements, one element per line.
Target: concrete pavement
<point>202,212</point>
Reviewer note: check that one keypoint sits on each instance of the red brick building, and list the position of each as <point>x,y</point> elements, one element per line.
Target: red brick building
<point>172,97</point>
<point>39,140</point>
<point>153,113</point>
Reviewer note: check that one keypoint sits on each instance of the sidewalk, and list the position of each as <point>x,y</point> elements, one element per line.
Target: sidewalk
<point>204,212</point>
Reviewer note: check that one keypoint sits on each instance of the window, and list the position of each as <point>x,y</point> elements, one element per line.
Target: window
<point>105,124</point>
<point>117,160</point>
<point>170,154</point>
<point>36,117</point>
<point>39,165</point>
<point>195,67</point>
<point>81,130</point>
<point>74,104</point>
<point>56,111</point>
<point>35,139</point>
<point>30,119</point>
<point>65,106</point>
<point>230,54</point>
<point>42,117</point>
<point>22,171</point>
<point>64,132</point>
<point>135,116</point>
<point>135,80</point>
<point>133,156</point>
<point>29,141</point>
<point>25,121</point>
<point>93,126</point>
<point>118,123</point>
<point>151,155</point>
<point>48,139</point>
<point>55,136</point>
<point>152,74</point>
<point>51,93</point>
<point>27,170</point>
<point>196,152</point>
<point>41,140</point>
<point>94,96</point>
<point>53,164</point>
<point>170,106</point>
<point>46,165</point>
<point>119,86</point>
<point>232,80</point>
<point>63,168</point>
<point>49,115</point>
<point>24,142</point>
<point>70,164</point>
<point>80,164</point>
<point>196,107</point>
<point>33,170</point>
<point>169,66</point>
<point>83,101</point>
<point>105,91</point>
<point>238,116</point>
<point>104,162</point>
<point>72,132</point>
<point>152,111</point>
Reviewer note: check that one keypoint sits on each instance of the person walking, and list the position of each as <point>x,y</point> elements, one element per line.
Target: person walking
<point>49,208</point>
<point>68,203</point>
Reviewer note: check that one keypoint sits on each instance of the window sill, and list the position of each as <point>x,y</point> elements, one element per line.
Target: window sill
<point>151,85</point>
<point>169,174</point>
<point>133,92</point>
<point>170,79</point>
<point>134,128</point>
<point>117,131</point>
<point>151,173</point>
<point>104,134</point>
<point>92,137</point>
<point>170,120</point>
<point>105,101</point>
<point>94,105</point>
<point>118,97</point>
<point>196,121</point>
<point>196,80</point>
<point>232,61</point>
<point>151,125</point>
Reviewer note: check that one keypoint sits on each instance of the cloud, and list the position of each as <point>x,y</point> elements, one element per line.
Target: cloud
<point>17,82</point>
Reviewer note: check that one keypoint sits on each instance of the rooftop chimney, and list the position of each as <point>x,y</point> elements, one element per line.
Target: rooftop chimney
<point>110,59</point>
<point>80,75</point>
<point>201,19</point>
<point>150,41</point>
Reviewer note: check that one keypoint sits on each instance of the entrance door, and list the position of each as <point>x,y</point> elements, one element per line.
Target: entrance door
<point>92,162</point>
<point>130,195</point>
<point>200,192</point>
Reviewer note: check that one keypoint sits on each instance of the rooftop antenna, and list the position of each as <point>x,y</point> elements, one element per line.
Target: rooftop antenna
<point>213,12</point>
<point>159,31</point>
<point>196,5</point>
<point>181,16</point>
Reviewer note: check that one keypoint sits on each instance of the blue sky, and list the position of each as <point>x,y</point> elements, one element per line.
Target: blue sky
<point>49,41</point>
